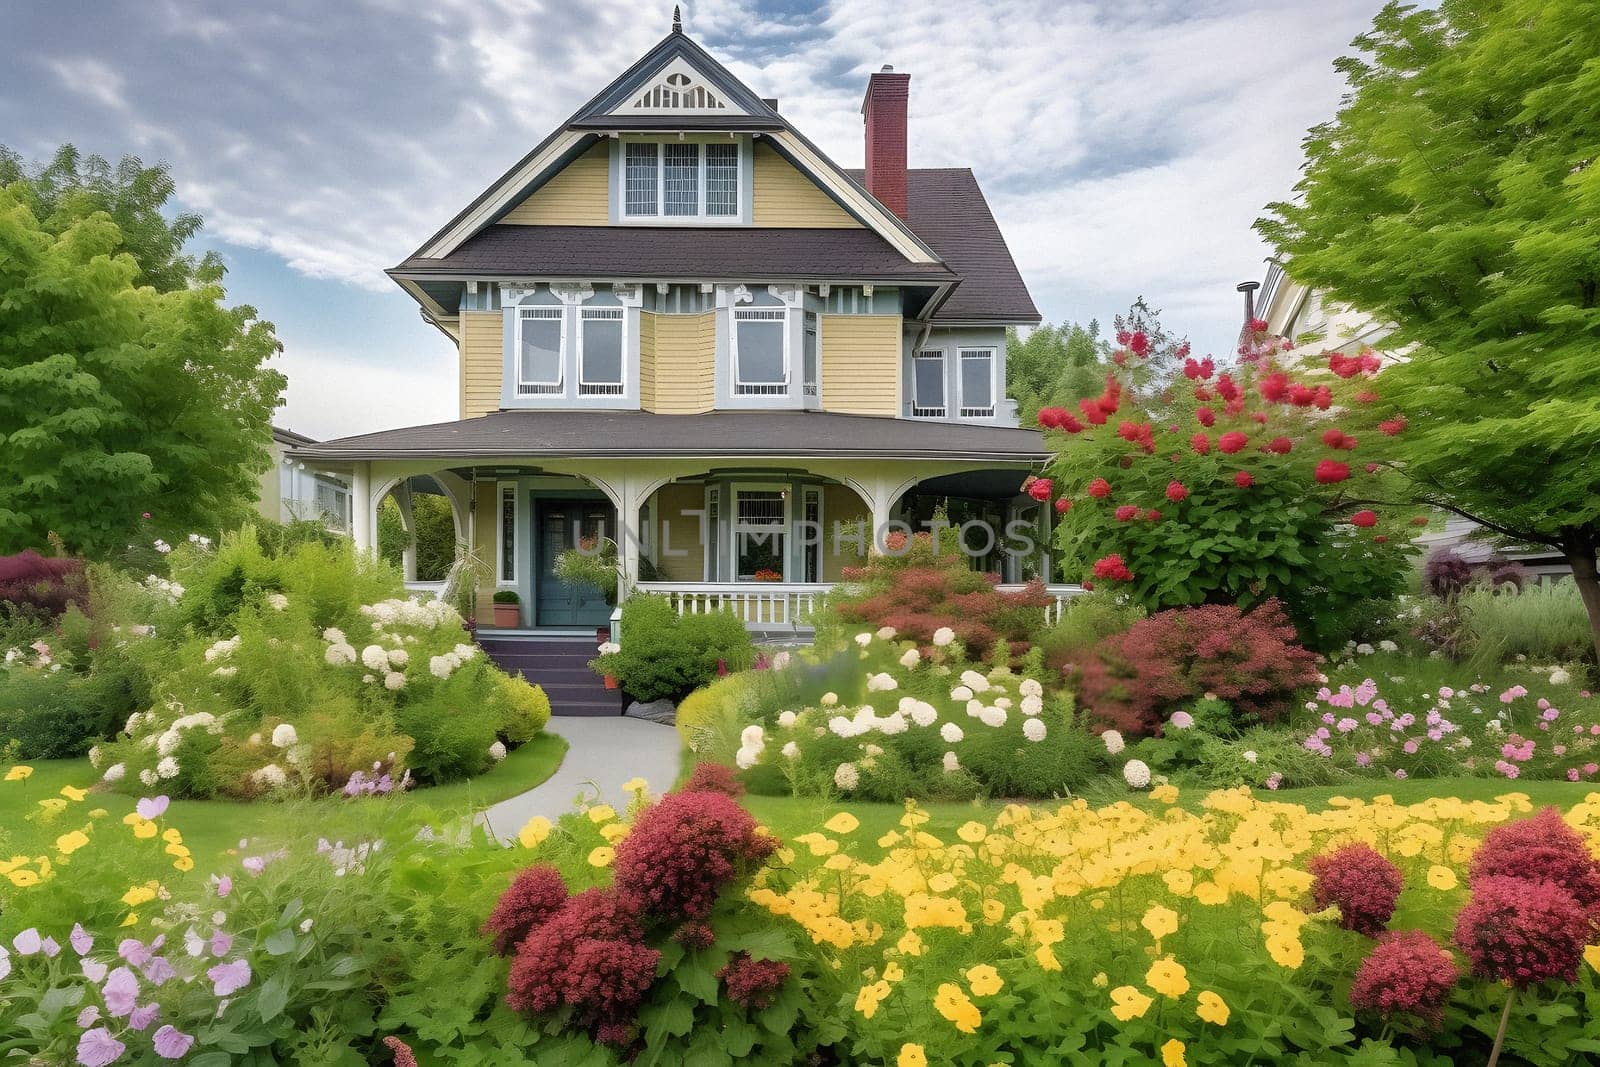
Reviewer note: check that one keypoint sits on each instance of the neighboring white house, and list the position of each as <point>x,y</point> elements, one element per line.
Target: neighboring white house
<point>290,490</point>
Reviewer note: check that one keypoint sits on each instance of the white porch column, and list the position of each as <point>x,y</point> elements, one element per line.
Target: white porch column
<point>882,507</point>
<point>364,510</point>
<point>408,554</point>
<point>630,499</point>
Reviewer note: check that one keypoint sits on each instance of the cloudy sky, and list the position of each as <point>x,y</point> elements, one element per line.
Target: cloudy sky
<point>1124,147</point>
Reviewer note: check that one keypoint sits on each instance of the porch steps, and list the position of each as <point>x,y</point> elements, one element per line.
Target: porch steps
<point>559,666</point>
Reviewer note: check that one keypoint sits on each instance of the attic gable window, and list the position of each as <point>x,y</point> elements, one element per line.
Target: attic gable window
<point>681,181</point>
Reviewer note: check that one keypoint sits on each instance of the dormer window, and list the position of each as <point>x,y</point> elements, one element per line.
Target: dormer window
<point>681,181</point>
<point>541,350</point>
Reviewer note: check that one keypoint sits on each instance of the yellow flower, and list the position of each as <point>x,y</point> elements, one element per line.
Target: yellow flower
<point>139,894</point>
<point>1100,981</point>
<point>22,878</point>
<point>1212,1008</point>
<point>534,833</point>
<point>1167,977</point>
<point>1166,794</point>
<point>635,785</point>
<point>131,920</point>
<point>911,1056</point>
<point>98,813</point>
<point>144,828</point>
<point>1179,882</point>
<point>972,832</point>
<point>1128,1003</point>
<point>1285,949</point>
<point>73,792</point>
<point>1210,893</point>
<point>942,882</point>
<point>842,823</point>
<point>602,856</point>
<point>1441,878</point>
<point>614,831</point>
<point>1046,958</point>
<point>1172,1054</point>
<point>54,805</point>
<point>1591,956</point>
<point>171,836</point>
<point>893,972</point>
<point>184,863</point>
<point>954,1005</point>
<point>67,844</point>
<point>1160,921</point>
<point>602,813</point>
<point>870,996</point>
<point>910,943</point>
<point>19,773</point>
<point>984,980</point>
<point>176,849</point>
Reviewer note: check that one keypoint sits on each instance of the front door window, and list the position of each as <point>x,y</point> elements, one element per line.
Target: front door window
<point>565,524</point>
<point>761,521</point>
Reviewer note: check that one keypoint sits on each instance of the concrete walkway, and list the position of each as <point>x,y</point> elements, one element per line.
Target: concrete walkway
<point>602,753</point>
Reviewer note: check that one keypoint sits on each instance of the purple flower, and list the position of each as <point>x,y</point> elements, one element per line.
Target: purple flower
<point>221,942</point>
<point>134,951</point>
<point>144,1015</point>
<point>28,942</point>
<point>93,970</point>
<point>1410,747</point>
<point>228,978</point>
<point>172,1043</point>
<point>97,1048</point>
<point>1401,773</point>
<point>151,807</point>
<point>1363,759</point>
<point>223,883</point>
<point>80,939</point>
<point>120,992</point>
<point>254,864</point>
<point>50,947</point>
<point>88,1017</point>
<point>158,970</point>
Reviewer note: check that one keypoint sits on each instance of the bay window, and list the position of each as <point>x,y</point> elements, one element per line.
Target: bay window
<point>680,180</point>
<point>761,351</point>
<point>977,383</point>
<point>600,351</point>
<point>541,350</point>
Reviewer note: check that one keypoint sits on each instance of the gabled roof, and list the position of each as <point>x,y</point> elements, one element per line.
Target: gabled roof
<point>629,434</point>
<point>949,212</point>
<point>606,111</point>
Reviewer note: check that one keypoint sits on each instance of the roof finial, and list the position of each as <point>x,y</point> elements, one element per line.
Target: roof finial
<point>677,19</point>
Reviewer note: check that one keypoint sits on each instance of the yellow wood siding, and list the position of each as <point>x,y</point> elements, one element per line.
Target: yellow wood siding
<point>482,357</point>
<point>861,364</point>
<point>578,196</point>
<point>647,360</point>
<point>678,546</point>
<point>685,364</point>
<point>787,198</point>
<point>841,506</point>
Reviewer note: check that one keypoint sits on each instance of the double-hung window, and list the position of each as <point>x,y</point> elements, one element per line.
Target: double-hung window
<point>761,351</point>
<point>977,383</point>
<point>600,346</point>
<point>927,385</point>
<point>680,180</point>
<point>541,350</point>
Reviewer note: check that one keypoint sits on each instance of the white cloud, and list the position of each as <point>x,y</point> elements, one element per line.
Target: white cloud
<point>330,395</point>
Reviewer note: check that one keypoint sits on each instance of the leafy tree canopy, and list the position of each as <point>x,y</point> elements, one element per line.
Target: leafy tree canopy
<point>119,399</point>
<point>1457,195</point>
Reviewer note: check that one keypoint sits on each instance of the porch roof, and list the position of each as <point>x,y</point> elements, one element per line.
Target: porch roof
<point>629,434</point>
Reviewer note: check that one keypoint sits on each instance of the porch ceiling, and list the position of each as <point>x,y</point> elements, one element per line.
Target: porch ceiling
<point>640,434</point>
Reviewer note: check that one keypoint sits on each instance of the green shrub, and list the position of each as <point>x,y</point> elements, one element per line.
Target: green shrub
<point>1085,621</point>
<point>58,715</point>
<point>1545,623</point>
<point>664,656</point>
<point>524,709</point>
<point>506,596</point>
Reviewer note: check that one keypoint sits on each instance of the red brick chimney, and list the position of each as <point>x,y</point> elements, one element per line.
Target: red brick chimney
<point>884,110</point>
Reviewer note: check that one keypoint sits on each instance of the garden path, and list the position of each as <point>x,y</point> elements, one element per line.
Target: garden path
<point>603,754</point>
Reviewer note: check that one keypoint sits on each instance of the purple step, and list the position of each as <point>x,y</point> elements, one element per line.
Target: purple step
<point>558,667</point>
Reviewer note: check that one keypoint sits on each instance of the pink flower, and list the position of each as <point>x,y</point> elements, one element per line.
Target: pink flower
<point>120,992</point>
<point>80,940</point>
<point>158,971</point>
<point>1363,884</point>
<point>97,1048</point>
<point>1405,973</point>
<point>1522,932</point>
<point>151,808</point>
<point>143,1016</point>
<point>172,1043</point>
<point>223,883</point>
<point>228,978</point>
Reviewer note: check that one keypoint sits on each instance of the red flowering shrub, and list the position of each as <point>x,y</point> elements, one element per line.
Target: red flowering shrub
<point>1361,883</point>
<point>1249,659</point>
<point>40,588</point>
<point>929,589</point>
<point>1259,481</point>
<point>1523,932</point>
<point>684,850</point>
<point>534,895</point>
<point>714,778</point>
<point>695,935</point>
<point>753,983</point>
<point>1543,848</point>
<point>542,974</point>
<point>1406,973</point>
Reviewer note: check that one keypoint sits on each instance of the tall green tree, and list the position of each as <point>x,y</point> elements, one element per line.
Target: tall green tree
<point>1457,195</point>
<point>1054,365</point>
<point>72,186</point>
<point>118,400</point>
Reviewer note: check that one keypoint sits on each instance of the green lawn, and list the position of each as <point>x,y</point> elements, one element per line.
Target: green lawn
<point>211,827</point>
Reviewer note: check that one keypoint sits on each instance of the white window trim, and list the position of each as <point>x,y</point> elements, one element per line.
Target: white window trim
<point>810,386</point>
<point>542,312</point>
<point>735,527</point>
<point>609,314</point>
<point>701,215</point>
<point>784,324</point>
<point>971,412</point>
<point>501,578</point>
<point>928,411</point>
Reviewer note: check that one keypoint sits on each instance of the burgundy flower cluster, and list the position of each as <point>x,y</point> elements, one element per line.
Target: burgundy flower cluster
<point>685,850</point>
<point>714,778</point>
<point>1361,882</point>
<point>588,952</point>
<point>1535,902</point>
<point>1406,973</point>
<point>753,983</point>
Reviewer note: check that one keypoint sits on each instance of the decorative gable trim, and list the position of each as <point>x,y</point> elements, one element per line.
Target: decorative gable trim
<point>677,89</point>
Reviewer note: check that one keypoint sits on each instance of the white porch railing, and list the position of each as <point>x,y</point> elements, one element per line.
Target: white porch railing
<point>764,604</point>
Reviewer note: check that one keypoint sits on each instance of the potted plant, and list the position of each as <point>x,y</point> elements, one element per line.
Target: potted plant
<point>594,562</point>
<point>607,662</point>
<point>507,609</point>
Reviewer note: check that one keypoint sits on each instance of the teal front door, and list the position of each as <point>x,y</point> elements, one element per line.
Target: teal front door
<point>560,525</point>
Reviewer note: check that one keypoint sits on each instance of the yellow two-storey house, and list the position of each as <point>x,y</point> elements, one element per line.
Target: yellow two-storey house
<point>683,327</point>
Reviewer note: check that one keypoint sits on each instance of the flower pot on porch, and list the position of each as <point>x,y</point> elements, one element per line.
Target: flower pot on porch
<point>611,682</point>
<point>602,634</point>
<point>507,616</point>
